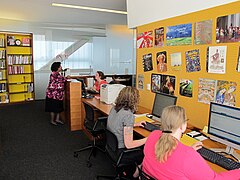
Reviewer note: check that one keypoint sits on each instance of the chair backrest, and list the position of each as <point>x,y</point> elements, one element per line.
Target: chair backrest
<point>112,145</point>
<point>89,118</point>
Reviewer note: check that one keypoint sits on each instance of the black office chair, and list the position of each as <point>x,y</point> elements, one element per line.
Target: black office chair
<point>116,155</point>
<point>143,175</point>
<point>95,128</point>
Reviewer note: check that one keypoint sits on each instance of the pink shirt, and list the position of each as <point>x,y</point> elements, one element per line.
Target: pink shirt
<point>184,163</point>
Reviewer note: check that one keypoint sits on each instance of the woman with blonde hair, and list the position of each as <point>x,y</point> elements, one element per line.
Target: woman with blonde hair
<point>165,157</point>
<point>121,122</point>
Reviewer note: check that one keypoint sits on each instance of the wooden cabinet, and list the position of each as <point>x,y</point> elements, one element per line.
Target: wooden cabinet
<point>16,67</point>
<point>73,105</point>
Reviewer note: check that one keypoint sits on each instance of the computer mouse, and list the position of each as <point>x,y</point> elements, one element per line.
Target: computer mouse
<point>149,115</point>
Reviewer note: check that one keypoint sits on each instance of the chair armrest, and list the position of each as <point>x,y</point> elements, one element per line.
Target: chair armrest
<point>100,123</point>
<point>127,153</point>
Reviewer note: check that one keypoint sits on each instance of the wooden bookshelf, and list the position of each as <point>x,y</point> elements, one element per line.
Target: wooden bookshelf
<point>16,67</point>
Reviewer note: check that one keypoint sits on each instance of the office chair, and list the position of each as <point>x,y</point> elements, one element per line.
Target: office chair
<point>95,128</point>
<point>116,155</point>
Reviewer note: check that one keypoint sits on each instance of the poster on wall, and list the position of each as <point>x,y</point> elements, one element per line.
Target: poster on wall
<point>216,59</point>
<point>176,61</point>
<point>140,82</point>
<point>227,28</point>
<point>145,40</point>
<point>161,61</point>
<point>203,32</point>
<point>168,84</point>
<point>193,61</point>
<point>179,35</point>
<point>156,83</point>
<point>226,93</point>
<point>206,90</point>
<point>238,60</point>
<point>186,87</point>
<point>159,37</point>
<point>147,62</point>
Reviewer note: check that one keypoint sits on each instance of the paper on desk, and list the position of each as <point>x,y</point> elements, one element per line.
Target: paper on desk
<point>201,138</point>
<point>143,118</point>
<point>187,140</point>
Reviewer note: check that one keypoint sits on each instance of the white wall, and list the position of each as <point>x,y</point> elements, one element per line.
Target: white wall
<point>142,12</point>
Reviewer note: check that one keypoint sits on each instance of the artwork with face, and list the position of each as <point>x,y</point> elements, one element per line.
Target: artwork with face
<point>161,61</point>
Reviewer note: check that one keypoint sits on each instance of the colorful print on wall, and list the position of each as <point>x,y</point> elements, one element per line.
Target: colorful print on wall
<point>179,35</point>
<point>238,60</point>
<point>176,61</point>
<point>147,62</point>
<point>161,61</point>
<point>206,90</point>
<point>203,32</point>
<point>226,93</point>
<point>193,61</point>
<point>227,28</point>
<point>186,87</point>
<point>163,83</point>
<point>140,82</point>
<point>156,83</point>
<point>145,40</point>
<point>159,37</point>
<point>216,59</point>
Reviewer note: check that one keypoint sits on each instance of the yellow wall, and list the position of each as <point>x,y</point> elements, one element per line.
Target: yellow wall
<point>197,112</point>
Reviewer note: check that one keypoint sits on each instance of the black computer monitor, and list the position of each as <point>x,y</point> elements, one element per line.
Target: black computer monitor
<point>83,86</point>
<point>161,101</point>
<point>224,127</point>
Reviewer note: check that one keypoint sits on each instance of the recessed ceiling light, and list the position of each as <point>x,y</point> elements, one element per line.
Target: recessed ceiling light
<point>88,8</point>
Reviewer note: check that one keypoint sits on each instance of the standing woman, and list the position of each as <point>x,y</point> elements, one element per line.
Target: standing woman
<point>167,158</point>
<point>55,93</point>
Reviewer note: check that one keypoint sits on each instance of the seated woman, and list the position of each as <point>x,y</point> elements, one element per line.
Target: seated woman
<point>121,123</point>
<point>167,158</point>
<point>99,80</point>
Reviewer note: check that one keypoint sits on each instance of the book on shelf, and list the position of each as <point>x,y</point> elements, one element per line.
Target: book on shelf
<point>1,75</point>
<point>26,41</point>
<point>2,43</point>
<point>30,87</point>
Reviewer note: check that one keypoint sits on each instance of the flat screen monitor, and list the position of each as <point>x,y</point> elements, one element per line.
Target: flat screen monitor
<point>83,86</point>
<point>161,101</point>
<point>224,127</point>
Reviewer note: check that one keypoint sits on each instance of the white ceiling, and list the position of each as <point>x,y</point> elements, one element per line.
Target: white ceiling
<point>41,12</point>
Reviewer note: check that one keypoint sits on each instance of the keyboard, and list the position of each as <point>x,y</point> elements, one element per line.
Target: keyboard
<point>218,159</point>
<point>151,127</point>
<point>91,91</point>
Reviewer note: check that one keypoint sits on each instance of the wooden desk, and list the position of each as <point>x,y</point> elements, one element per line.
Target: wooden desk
<point>105,109</point>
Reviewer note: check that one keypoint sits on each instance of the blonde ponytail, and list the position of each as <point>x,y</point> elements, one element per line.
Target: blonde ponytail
<point>172,118</point>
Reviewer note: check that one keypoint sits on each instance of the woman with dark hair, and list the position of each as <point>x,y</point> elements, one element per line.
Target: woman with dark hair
<point>99,80</point>
<point>55,93</point>
<point>121,123</point>
<point>165,157</point>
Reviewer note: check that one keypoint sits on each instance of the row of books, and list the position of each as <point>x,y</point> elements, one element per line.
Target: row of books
<point>2,42</point>
<point>3,87</point>
<point>15,69</point>
<point>2,64</point>
<point>19,59</point>
<point>2,54</point>
<point>4,98</point>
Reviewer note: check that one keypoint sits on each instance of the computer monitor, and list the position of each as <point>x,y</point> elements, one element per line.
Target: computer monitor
<point>224,127</point>
<point>160,102</point>
<point>83,86</point>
